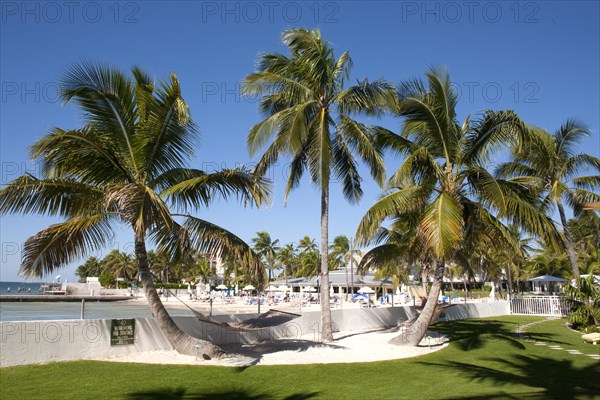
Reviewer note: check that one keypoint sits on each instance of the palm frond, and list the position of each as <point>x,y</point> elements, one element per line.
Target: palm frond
<point>66,198</point>
<point>63,243</point>
<point>201,190</point>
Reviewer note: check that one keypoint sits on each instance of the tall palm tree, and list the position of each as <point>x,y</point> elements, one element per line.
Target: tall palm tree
<point>91,267</point>
<point>288,259</point>
<point>309,114</point>
<point>552,163</point>
<point>340,255</point>
<point>126,165</point>
<point>267,248</point>
<point>443,187</point>
<point>121,264</point>
<point>585,231</point>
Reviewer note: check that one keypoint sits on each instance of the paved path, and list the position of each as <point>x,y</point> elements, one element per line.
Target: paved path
<point>521,329</point>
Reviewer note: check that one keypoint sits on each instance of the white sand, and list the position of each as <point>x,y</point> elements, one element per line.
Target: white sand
<point>349,347</point>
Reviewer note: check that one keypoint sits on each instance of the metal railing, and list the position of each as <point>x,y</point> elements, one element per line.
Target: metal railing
<point>552,306</point>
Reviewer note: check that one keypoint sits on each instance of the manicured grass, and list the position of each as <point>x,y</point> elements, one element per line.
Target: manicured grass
<point>484,360</point>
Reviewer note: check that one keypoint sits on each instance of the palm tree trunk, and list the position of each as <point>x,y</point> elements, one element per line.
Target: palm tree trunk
<point>569,243</point>
<point>425,278</point>
<point>413,335</point>
<point>181,341</point>
<point>326,322</point>
<point>509,278</point>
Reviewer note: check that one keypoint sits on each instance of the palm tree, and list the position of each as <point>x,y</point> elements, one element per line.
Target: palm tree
<point>546,261</point>
<point>120,264</point>
<point>552,164</point>
<point>309,114</point>
<point>267,249</point>
<point>91,267</point>
<point>585,231</point>
<point>443,189</point>
<point>127,165</point>
<point>288,259</point>
<point>341,256</point>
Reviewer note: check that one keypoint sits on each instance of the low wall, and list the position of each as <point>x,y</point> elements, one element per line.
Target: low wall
<point>476,310</point>
<point>309,323</point>
<point>32,342</point>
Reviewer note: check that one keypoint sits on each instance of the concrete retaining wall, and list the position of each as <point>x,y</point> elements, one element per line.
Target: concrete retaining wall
<point>476,310</point>
<point>34,342</point>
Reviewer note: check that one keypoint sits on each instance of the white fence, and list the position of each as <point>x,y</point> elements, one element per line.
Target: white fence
<point>552,306</point>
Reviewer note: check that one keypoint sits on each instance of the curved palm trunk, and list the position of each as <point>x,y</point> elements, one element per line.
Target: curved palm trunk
<point>569,243</point>
<point>416,331</point>
<point>326,322</point>
<point>181,341</point>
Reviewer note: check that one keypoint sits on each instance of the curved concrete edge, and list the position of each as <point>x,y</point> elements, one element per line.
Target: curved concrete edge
<point>35,342</point>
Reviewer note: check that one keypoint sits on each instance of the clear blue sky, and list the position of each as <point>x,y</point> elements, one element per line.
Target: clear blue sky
<point>538,58</point>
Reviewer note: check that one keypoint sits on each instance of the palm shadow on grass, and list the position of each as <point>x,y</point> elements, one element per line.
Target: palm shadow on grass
<point>473,334</point>
<point>181,394</point>
<point>550,378</point>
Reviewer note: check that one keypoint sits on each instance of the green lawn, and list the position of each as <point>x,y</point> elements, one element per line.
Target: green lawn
<point>484,360</point>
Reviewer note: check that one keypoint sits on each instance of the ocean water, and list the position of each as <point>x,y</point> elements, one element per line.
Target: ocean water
<point>19,288</point>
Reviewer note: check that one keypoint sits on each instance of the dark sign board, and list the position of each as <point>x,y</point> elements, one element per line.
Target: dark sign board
<point>122,332</point>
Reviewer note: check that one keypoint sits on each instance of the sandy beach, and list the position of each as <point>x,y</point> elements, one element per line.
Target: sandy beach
<point>348,347</point>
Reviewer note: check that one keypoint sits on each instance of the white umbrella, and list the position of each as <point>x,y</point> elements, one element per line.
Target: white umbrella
<point>221,287</point>
<point>366,290</point>
<point>331,292</point>
<point>310,289</point>
<point>248,287</point>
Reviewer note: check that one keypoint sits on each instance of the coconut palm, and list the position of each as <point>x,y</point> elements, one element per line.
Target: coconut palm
<point>267,248</point>
<point>585,231</point>
<point>309,114</point>
<point>119,263</point>
<point>552,163</point>
<point>443,188</point>
<point>126,165</point>
<point>288,259</point>
<point>91,267</point>
<point>340,255</point>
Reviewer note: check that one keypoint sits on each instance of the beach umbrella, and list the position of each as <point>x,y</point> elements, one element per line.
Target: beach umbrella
<point>310,289</point>
<point>366,290</point>
<point>221,287</point>
<point>248,287</point>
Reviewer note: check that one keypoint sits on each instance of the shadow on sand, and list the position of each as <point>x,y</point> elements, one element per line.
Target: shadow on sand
<point>247,355</point>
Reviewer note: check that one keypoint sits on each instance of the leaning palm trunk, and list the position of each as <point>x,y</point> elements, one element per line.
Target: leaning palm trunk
<point>569,243</point>
<point>413,335</point>
<point>326,321</point>
<point>181,341</point>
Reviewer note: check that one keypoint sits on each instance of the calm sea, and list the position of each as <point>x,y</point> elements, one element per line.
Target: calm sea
<point>35,311</point>
<point>20,288</point>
